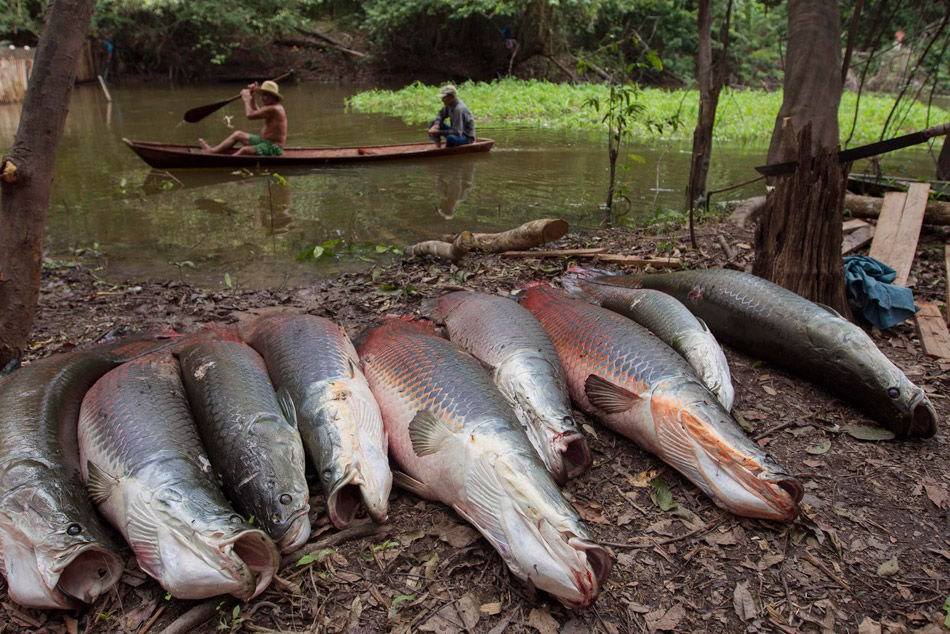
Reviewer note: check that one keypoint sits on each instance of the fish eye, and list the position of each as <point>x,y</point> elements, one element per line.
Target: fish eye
<point>235,519</point>
<point>285,498</point>
<point>73,529</point>
<point>893,392</point>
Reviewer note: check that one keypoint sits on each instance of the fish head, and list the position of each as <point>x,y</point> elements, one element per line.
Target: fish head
<point>353,466</point>
<point>282,480</point>
<point>55,551</point>
<point>695,435</point>
<point>901,406</point>
<point>197,548</point>
<point>540,536</point>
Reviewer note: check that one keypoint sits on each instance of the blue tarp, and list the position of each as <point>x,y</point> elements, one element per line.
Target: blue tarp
<point>872,295</point>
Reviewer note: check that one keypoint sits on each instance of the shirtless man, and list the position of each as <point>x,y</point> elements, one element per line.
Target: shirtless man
<point>273,134</point>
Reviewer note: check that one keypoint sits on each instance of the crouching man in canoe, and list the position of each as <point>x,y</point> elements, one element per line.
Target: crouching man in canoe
<point>461,127</point>
<point>273,134</point>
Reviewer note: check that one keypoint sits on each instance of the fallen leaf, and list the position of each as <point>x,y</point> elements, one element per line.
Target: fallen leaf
<point>770,560</point>
<point>661,494</point>
<point>865,432</point>
<point>820,447</point>
<point>869,626</point>
<point>590,514</point>
<point>727,538</point>
<point>770,390</point>
<point>445,621</point>
<point>468,609</point>
<point>937,494</point>
<point>574,626</point>
<point>665,620</point>
<point>457,535</point>
<point>642,479</point>
<point>490,609</point>
<point>743,603</point>
<point>541,620</point>
<point>889,568</point>
<point>502,625</point>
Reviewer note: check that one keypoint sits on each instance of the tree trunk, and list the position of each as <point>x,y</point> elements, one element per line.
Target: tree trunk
<point>710,79</point>
<point>812,84</point>
<point>798,239</point>
<point>27,172</point>
<point>943,163</point>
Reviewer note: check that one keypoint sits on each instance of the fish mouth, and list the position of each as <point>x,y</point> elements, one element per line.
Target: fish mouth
<point>923,419</point>
<point>259,554</point>
<point>344,500</point>
<point>571,456</point>
<point>590,581</point>
<point>89,572</point>
<point>296,531</point>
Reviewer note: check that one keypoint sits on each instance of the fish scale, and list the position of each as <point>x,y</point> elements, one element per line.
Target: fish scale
<point>775,324</point>
<point>641,388</point>
<point>457,441</point>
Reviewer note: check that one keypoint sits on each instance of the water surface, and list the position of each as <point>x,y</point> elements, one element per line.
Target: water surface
<point>199,225</point>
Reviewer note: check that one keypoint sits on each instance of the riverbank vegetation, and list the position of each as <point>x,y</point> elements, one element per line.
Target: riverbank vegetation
<point>744,116</point>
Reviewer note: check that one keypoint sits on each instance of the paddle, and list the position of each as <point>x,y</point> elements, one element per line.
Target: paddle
<point>197,114</point>
<point>864,151</point>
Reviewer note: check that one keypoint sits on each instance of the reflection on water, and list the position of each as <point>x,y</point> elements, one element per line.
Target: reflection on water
<point>252,225</point>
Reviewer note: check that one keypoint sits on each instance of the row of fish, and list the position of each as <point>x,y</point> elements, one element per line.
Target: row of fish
<point>168,441</point>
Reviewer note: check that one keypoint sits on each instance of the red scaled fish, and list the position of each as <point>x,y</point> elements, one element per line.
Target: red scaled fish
<point>457,441</point>
<point>641,388</point>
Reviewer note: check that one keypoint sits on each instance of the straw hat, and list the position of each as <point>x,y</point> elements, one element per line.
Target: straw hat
<point>270,87</point>
<point>448,89</point>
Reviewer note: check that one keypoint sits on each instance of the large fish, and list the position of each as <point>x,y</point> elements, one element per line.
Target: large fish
<point>144,466</point>
<point>54,548</point>
<point>667,318</point>
<point>772,323</point>
<point>641,388</point>
<point>458,441</point>
<point>508,339</point>
<point>320,385</point>
<point>255,450</point>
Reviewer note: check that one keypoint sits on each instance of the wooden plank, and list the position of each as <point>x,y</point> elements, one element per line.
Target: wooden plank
<point>898,230</point>
<point>854,224</point>
<point>633,260</point>
<point>934,337</point>
<point>553,253</point>
<point>887,225</point>
<point>857,239</point>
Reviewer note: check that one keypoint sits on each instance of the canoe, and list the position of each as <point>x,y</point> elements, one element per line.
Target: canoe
<point>169,155</point>
<point>870,185</point>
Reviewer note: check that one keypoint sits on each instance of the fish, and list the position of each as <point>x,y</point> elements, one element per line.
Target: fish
<point>255,450</point>
<point>525,368</point>
<point>322,390</point>
<point>147,473</point>
<point>457,441</point>
<point>641,388</point>
<point>55,552</point>
<point>772,323</point>
<point>667,318</point>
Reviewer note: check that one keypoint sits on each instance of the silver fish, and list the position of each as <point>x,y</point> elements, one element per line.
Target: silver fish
<point>320,386</point>
<point>509,340</point>
<point>458,442</point>
<point>144,466</point>
<point>257,453</point>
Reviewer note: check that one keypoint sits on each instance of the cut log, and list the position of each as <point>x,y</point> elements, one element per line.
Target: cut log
<point>527,236</point>
<point>853,225</point>
<point>633,260</point>
<point>946,281</point>
<point>726,247</point>
<point>437,249</point>
<point>553,253</point>
<point>898,230</point>
<point>857,238</point>
<point>934,337</point>
<point>936,213</point>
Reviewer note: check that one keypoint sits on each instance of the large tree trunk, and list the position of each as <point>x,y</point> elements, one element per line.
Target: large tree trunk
<point>943,163</point>
<point>27,172</point>
<point>798,239</point>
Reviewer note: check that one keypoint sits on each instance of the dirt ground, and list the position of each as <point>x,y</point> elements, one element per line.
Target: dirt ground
<point>870,552</point>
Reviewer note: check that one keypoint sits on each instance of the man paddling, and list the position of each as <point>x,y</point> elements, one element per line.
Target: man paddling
<point>461,127</point>
<point>273,133</point>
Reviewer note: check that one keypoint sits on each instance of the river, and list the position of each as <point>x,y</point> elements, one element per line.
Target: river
<point>220,228</point>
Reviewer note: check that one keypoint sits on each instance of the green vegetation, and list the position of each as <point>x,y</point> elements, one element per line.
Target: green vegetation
<point>744,116</point>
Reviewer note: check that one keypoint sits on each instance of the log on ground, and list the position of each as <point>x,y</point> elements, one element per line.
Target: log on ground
<point>937,212</point>
<point>527,236</point>
<point>437,249</point>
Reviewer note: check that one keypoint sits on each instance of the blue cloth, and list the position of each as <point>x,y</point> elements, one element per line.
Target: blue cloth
<point>451,140</point>
<point>871,293</point>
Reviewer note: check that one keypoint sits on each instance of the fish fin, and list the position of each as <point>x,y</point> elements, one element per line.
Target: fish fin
<point>608,397</point>
<point>427,433</point>
<point>142,529</point>
<point>287,406</point>
<point>703,324</point>
<point>99,483</point>
<point>419,489</point>
<point>831,310</point>
<point>352,367</point>
<point>484,501</point>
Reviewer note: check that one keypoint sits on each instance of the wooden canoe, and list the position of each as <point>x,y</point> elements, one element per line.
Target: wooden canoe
<point>169,155</point>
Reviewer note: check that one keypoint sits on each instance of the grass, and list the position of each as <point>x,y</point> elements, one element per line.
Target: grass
<point>744,116</point>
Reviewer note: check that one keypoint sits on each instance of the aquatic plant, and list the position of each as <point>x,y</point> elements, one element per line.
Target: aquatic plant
<point>744,116</point>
